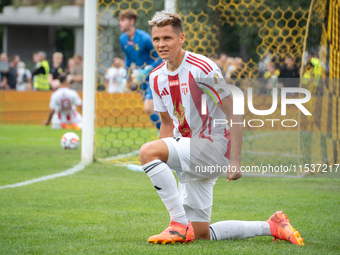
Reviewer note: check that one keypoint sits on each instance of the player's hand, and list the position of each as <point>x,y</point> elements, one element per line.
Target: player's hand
<point>137,76</point>
<point>44,122</point>
<point>234,171</point>
<point>147,70</point>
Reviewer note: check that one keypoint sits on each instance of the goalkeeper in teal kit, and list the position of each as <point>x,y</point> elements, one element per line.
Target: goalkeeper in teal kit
<point>139,52</point>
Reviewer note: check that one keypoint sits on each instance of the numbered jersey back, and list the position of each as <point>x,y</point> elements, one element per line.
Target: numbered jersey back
<point>64,100</point>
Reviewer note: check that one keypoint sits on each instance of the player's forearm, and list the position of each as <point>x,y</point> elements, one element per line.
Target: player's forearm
<point>165,131</point>
<point>236,126</point>
<point>40,70</point>
<point>236,133</point>
<point>50,78</point>
<point>77,78</point>
<point>50,114</point>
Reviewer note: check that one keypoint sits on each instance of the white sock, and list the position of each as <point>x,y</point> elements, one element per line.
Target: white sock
<point>233,229</point>
<point>165,183</point>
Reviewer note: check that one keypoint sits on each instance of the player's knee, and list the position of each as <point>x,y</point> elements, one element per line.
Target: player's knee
<point>146,153</point>
<point>152,151</point>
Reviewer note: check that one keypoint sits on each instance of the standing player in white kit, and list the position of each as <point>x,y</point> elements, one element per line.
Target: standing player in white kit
<point>63,111</point>
<point>188,138</point>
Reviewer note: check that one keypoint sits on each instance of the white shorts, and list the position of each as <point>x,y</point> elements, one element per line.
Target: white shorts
<point>59,118</point>
<point>195,161</point>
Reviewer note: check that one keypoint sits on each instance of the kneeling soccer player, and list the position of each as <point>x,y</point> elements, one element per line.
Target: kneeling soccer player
<point>63,112</point>
<point>189,139</point>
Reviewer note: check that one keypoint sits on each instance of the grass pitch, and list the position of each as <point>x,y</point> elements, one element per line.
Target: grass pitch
<point>106,209</point>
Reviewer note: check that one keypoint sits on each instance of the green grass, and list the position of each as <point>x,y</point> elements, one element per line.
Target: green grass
<point>32,151</point>
<point>106,209</point>
<point>113,141</point>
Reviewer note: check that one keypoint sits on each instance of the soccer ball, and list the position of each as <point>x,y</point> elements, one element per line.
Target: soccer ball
<point>70,141</point>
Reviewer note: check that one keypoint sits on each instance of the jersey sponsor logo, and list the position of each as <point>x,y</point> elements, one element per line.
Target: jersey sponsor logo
<point>131,43</point>
<point>184,88</point>
<point>174,83</point>
<point>165,92</point>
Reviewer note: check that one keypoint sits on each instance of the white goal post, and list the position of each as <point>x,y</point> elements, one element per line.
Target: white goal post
<point>89,80</point>
<point>90,72</point>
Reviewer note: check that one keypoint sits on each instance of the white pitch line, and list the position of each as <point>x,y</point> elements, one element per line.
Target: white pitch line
<point>120,156</point>
<point>70,171</point>
<point>29,138</point>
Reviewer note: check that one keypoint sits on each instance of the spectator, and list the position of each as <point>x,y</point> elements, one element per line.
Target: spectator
<point>70,66</point>
<point>76,75</point>
<point>9,80</point>
<point>4,57</point>
<point>56,70</point>
<point>214,58</point>
<point>40,80</point>
<point>114,77</point>
<point>24,79</point>
<point>313,70</point>
<point>271,78</point>
<point>63,111</point>
<point>35,59</point>
<point>234,66</point>
<point>4,66</point>
<point>289,70</point>
<point>223,63</point>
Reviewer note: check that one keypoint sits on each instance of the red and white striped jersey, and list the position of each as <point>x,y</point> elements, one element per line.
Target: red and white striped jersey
<point>180,94</point>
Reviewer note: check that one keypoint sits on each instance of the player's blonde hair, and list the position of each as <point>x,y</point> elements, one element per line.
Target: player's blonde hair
<point>163,18</point>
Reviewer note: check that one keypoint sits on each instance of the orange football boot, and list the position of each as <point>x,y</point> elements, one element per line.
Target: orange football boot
<point>281,229</point>
<point>75,126</point>
<point>65,126</point>
<point>176,232</point>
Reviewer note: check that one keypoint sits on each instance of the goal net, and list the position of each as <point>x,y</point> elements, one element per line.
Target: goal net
<point>259,38</point>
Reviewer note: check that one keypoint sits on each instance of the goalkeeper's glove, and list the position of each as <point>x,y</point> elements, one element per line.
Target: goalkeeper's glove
<point>138,75</point>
